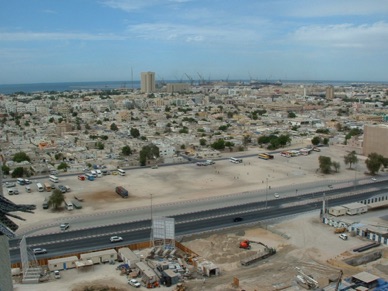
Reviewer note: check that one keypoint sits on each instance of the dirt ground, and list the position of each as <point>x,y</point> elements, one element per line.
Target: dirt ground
<point>300,241</point>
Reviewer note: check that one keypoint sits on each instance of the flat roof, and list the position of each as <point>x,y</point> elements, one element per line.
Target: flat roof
<point>365,277</point>
<point>354,205</point>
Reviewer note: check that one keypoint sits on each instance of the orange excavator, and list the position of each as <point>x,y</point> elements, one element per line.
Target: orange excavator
<point>245,244</point>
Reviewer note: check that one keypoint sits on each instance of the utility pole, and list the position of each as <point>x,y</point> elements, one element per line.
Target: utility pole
<point>152,230</point>
<point>266,194</point>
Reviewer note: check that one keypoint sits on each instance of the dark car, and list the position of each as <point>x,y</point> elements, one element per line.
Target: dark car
<point>238,219</point>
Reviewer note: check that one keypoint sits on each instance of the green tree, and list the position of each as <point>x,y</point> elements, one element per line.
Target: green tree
<point>229,145</point>
<point>202,142</point>
<point>99,122</point>
<point>5,169</point>
<point>351,158</point>
<point>219,144</point>
<point>20,157</point>
<point>63,166</point>
<point>284,139</point>
<point>374,162</point>
<point>316,140</point>
<point>18,172</point>
<point>135,133</point>
<point>325,164</point>
<point>223,128</point>
<point>56,199</point>
<point>51,120</point>
<point>183,146</point>
<point>336,166</point>
<point>291,115</point>
<point>148,152</point>
<point>126,150</point>
<point>114,127</point>
<point>58,156</point>
<point>100,145</point>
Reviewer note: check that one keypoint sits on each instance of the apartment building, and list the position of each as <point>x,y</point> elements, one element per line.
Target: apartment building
<point>375,140</point>
<point>147,82</point>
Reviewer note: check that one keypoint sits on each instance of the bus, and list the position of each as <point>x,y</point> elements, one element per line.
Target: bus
<point>265,156</point>
<point>89,176</point>
<point>20,181</point>
<point>121,172</point>
<point>47,187</point>
<point>235,160</point>
<point>53,178</point>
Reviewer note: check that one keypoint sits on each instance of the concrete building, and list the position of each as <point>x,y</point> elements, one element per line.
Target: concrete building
<point>178,87</point>
<point>375,140</point>
<point>147,82</point>
<point>329,93</point>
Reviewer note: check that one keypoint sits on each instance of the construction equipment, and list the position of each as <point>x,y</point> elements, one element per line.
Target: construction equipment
<point>306,280</point>
<point>338,280</point>
<point>268,251</point>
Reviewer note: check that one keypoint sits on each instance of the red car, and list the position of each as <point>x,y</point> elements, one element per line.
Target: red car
<point>81,177</point>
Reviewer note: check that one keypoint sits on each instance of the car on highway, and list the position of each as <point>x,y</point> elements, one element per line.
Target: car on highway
<point>64,226</point>
<point>115,238</point>
<point>238,219</point>
<point>81,177</point>
<point>374,179</point>
<point>38,251</point>
<point>134,283</point>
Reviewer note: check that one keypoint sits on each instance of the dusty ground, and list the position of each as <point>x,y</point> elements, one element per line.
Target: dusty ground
<point>300,241</point>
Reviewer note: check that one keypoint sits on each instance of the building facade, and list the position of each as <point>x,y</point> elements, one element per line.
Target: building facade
<point>375,140</point>
<point>147,82</point>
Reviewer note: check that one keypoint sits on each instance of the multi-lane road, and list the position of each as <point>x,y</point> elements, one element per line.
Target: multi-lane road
<point>195,216</point>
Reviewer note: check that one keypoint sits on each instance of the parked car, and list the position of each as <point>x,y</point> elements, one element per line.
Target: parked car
<point>57,275</point>
<point>343,236</point>
<point>115,239</point>
<point>38,251</point>
<point>81,177</point>
<point>134,283</point>
<point>238,219</point>
<point>62,188</point>
<point>9,184</point>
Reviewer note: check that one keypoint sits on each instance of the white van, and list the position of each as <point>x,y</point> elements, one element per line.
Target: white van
<point>69,205</point>
<point>28,188</point>
<point>99,173</point>
<point>94,173</point>
<point>40,187</point>
<point>121,172</point>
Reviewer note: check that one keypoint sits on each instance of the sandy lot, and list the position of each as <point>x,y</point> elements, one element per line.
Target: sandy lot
<point>300,241</point>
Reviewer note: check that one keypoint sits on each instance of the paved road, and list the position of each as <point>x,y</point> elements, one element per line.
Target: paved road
<point>74,241</point>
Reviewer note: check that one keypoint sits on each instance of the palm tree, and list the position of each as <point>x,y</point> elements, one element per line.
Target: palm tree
<point>56,199</point>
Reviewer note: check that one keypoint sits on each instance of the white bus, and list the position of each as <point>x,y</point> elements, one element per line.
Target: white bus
<point>121,172</point>
<point>53,179</point>
<point>20,181</point>
<point>40,187</point>
<point>235,160</point>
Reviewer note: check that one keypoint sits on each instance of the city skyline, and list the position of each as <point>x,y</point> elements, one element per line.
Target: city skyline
<point>112,40</point>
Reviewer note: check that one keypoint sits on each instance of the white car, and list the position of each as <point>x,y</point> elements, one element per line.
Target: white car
<point>134,283</point>
<point>57,275</point>
<point>38,251</point>
<point>276,195</point>
<point>374,179</point>
<point>343,236</point>
<point>115,238</point>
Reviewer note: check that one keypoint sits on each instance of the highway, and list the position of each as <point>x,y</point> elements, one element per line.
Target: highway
<point>193,218</point>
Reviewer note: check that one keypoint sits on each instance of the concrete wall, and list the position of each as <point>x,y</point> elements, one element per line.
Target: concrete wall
<point>5,266</point>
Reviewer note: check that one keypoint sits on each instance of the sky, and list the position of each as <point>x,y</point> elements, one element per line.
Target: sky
<point>43,41</point>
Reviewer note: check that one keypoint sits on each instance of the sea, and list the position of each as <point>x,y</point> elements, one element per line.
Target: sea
<point>8,89</point>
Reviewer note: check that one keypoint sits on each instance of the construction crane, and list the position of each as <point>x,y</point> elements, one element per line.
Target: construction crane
<point>201,79</point>
<point>306,280</point>
<point>190,78</point>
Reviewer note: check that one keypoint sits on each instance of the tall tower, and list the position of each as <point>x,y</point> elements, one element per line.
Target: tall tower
<point>329,93</point>
<point>147,82</point>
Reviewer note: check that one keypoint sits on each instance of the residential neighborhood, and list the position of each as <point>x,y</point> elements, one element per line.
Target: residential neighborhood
<point>91,127</point>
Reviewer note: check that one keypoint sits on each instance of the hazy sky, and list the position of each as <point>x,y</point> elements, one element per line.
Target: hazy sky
<point>101,40</point>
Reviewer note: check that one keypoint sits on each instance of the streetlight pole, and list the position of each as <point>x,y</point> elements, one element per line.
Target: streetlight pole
<point>266,194</point>
<point>152,230</point>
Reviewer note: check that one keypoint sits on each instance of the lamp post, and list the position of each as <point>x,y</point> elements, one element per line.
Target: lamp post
<point>152,230</point>
<point>266,194</point>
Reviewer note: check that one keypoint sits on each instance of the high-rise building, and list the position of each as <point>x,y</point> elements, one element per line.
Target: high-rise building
<point>330,93</point>
<point>375,140</point>
<point>147,82</point>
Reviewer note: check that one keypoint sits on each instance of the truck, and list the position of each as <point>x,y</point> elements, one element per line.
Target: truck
<point>122,191</point>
